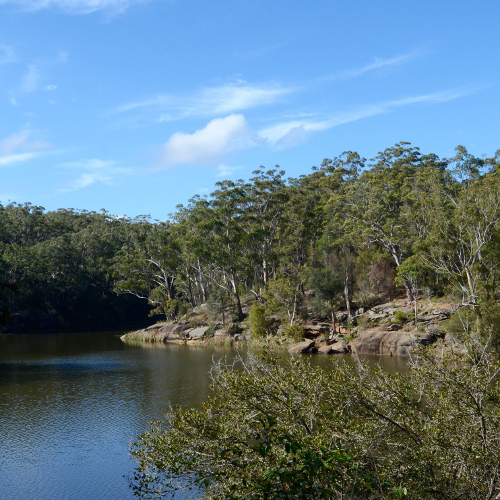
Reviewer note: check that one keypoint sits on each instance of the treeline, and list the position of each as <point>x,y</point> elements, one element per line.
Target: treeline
<point>349,234</point>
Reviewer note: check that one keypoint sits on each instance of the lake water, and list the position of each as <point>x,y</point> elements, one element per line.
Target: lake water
<point>71,404</point>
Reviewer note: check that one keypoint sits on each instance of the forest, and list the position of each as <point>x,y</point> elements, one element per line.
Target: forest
<point>351,233</point>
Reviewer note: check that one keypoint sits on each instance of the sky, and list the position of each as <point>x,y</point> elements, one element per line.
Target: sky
<point>135,106</point>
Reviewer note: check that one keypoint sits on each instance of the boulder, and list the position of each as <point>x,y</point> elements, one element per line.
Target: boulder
<point>196,333</point>
<point>395,343</point>
<point>307,346</point>
<point>339,347</point>
<point>393,328</point>
<point>445,312</point>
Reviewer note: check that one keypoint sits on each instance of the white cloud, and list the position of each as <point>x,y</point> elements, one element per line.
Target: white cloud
<point>31,79</point>
<point>48,88</point>
<point>226,170</point>
<point>206,146</point>
<point>95,170</point>
<point>211,101</point>
<point>21,141</point>
<point>17,158</point>
<point>6,54</point>
<point>290,133</point>
<point>376,64</point>
<point>75,6</point>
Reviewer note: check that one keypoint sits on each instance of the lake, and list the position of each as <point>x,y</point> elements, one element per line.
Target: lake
<point>71,404</point>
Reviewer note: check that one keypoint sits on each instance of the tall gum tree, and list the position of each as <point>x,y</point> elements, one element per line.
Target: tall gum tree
<point>377,207</point>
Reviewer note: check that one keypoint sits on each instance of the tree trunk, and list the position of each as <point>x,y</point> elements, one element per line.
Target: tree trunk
<point>346,295</point>
<point>241,316</point>
<point>202,284</point>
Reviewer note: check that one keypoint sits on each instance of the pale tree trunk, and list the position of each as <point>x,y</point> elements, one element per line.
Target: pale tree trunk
<point>202,284</point>
<point>346,295</point>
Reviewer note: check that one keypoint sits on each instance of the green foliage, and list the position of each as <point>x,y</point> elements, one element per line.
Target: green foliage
<point>294,332</point>
<point>270,427</point>
<point>220,305</point>
<point>259,326</point>
<point>338,236</point>
<point>399,317</point>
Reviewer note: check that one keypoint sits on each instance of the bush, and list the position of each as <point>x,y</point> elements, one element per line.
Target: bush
<point>399,317</point>
<point>294,332</point>
<point>271,431</point>
<point>258,323</point>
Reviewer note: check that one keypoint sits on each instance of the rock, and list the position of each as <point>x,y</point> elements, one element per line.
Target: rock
<point>320,338</point>
<point>393,328</point>
<point>339,347</point>
<point>385,308</point>
<point>307,346</point>
<point>315,329</point>
<point>197,333</point>
<point>361,310</point>
<point>376,317</point>
<point>342,317</point>
<point>432,317</point>
<point>445,312</point>
<point>396,343</point>
<point>154,327</point>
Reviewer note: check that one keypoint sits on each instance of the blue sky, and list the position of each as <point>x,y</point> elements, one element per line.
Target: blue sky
<point>135,105</point>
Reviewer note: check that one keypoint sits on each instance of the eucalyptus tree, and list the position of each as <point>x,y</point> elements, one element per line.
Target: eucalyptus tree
<point>378,207</point>
<point>228,240</point>
<point>147,264</point>
<point>465,224</point>
<point>264,211</point>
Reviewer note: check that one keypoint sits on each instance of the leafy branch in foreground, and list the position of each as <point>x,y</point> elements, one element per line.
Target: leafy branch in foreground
<point>277,429</point>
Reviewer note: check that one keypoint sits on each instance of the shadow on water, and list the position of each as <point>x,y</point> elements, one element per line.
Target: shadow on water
<point>71,404</point>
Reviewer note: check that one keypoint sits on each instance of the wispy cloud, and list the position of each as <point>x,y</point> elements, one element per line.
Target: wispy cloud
<point>226,170</point>
<point>377,63</point>
<point>93,170</point>
<point>6,54</point>
<point>290,133</point>
<point>31,79</point>
<point>22,141</point>
<point>75,6</point>
<point>206,146</point>
<point>17,158</point>
<point>211,101</point>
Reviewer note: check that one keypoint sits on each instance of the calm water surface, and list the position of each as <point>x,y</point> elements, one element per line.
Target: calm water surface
<point>71,404</point>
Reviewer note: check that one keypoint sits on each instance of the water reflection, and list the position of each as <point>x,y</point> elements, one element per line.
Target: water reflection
<point>70,405</point>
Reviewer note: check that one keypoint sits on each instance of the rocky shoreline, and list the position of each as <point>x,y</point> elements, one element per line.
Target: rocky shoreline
<point>386,329</point>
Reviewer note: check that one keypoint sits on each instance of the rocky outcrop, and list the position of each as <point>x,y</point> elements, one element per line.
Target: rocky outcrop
<point>305,347</point>
<point>395,343</point>
<point>339,347</point>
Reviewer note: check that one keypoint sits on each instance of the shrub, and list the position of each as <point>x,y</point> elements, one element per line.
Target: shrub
<point>271,431</point>
<point>399,317</point>
<point>258,323</point>
<point>294,332</point>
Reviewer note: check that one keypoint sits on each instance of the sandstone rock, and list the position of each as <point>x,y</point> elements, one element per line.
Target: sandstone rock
<point>307,346</point>
<point>393,328</point>
<point>197,333</point>
<point>445,312</point>
<point>373,341</point>
<point>339,347</point>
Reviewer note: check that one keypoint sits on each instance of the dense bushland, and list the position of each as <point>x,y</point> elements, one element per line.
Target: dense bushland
<point>351,233</point>
<point>275,429</point>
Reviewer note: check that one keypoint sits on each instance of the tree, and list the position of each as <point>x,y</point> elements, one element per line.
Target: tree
<point>270,427</point>
<point>377,208</point>
<point>465,223</point>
